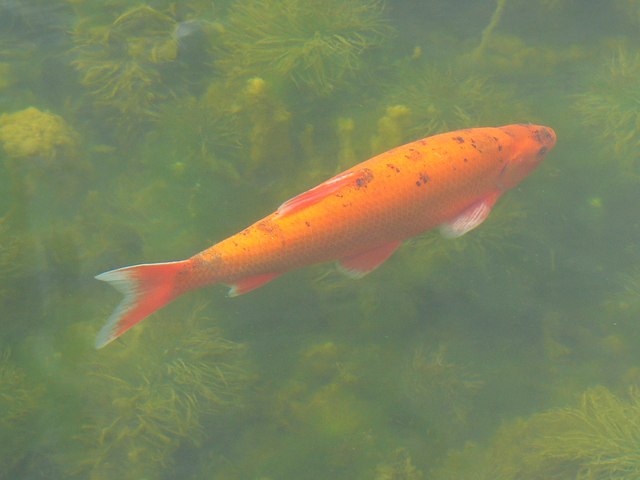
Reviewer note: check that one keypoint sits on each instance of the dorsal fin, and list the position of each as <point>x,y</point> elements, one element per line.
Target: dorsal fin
<point>316,194</point>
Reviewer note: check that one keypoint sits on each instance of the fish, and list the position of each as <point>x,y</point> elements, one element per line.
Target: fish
<point>358,218</point>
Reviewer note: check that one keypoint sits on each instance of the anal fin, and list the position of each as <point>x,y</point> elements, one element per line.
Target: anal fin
<point>245,285</point>
<point>357,266</point>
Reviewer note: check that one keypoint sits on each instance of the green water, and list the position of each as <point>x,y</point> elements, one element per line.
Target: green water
<point>133,133</point>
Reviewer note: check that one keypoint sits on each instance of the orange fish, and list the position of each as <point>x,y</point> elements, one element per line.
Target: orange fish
<point>359,218</point>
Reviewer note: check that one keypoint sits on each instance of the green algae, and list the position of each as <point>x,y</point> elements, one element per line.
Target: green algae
<point>597,439</point>
<point>318,46</point>
<point>609,109</point>
<point>19,402</point>
<point>149,398</point>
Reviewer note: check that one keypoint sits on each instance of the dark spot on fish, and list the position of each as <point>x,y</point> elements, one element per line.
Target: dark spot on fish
<point>459,139</point>
<point>364,178</point>
<point>499,147</point>
<point>268,227</point>
<point>307,224</point>
<point>393,167</point>
<point>465,160</point>
<point>413,154</point>
<point>542,152</point>
<point>423,179</point>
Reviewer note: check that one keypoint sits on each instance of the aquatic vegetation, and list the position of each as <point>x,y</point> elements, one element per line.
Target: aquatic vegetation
<point>318,45</point>
<point>437,388</point>
<point>17,263</point>
<point>269,120</point>
<point>439,99</point>
<point>153,395</point>
<point>32,135</point>
<point>598,440</point>
<point>630,9</point>
<point>509,56</point>
<point>19,401</point>
<point>122,64</point>
<point>488,31</point>
<point>346,155</point>
<point>400,468</point>
<point>43,157</point>
<point>610,110</point>
<point>627,299</point>
<point>6,76</point>
<point>391,128</point>
<point>208,140</point>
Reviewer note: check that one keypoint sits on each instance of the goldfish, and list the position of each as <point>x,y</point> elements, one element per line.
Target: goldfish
<point>357,218</point>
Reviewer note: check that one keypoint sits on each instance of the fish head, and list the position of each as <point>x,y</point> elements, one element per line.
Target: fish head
<point>530,145</point>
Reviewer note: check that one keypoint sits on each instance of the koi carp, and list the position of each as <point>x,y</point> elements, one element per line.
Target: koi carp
<point>358,217</point>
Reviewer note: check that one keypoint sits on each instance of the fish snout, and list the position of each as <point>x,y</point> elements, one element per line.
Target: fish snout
<point>531,145</point>
<point>546,138</point>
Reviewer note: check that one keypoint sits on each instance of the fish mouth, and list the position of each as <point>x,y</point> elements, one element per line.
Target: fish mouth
<point>546,136</point>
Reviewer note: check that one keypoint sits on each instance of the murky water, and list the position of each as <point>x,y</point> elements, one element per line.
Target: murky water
<point>135,133</point>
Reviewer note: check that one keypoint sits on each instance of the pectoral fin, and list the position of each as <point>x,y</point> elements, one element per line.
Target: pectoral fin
<point>357,266</point>
<point>470,218</point>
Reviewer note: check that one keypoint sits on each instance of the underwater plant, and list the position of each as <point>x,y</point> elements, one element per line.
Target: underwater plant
<point>437,388</point>
<point>488,31</point>
<point>391,128</point>
<point>599,439</point>
<point>400,468</point>
<point>18,264</point>
<point>122,64</point>
<point>318,45</point>
<point>440,99</point>
<point>37,136</point>
<point>610,109</point>
<point>150,397</point>
<point>19,400</point>
<point>43,156</point>
<point>630,9</point>
<point>208,140</point>
<point>627,299</point>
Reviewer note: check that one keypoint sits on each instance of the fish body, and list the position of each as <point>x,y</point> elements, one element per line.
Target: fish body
<point>359,217</point>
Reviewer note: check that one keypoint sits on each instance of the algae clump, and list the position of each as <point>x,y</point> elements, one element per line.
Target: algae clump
<point>151,396</point>
<point>317,45</point>
<point>19,401</point>
<point>610,109</point>
<point>122,64</point>
<point>34,134</point>
<point>597,440</point>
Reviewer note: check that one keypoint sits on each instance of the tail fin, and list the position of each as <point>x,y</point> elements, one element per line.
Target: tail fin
<point>146,288</point>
